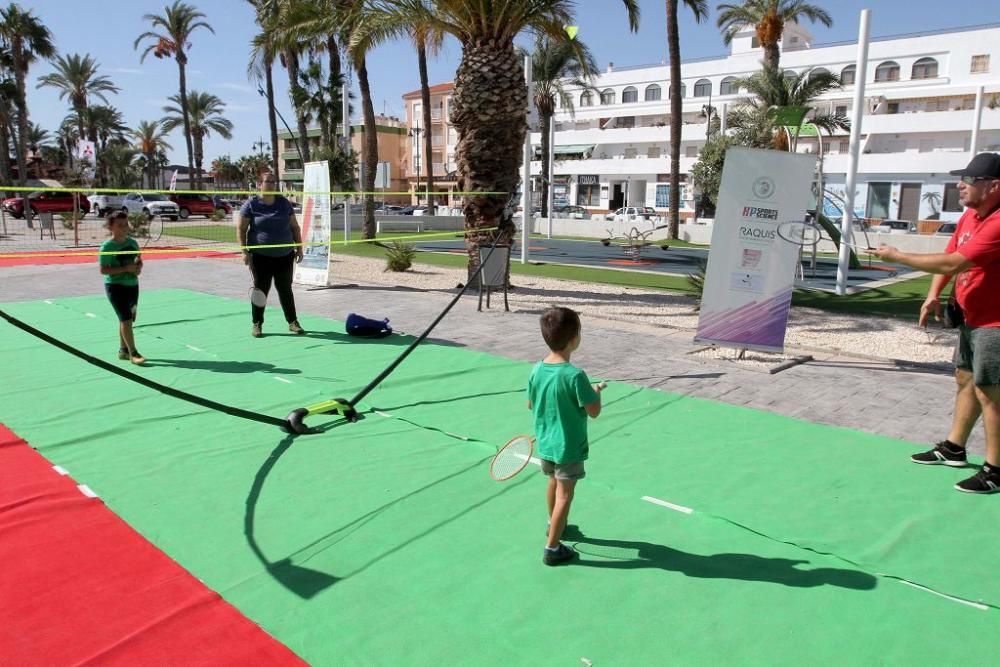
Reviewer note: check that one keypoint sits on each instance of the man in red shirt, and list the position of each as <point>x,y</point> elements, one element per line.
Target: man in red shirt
<point>973,258</point>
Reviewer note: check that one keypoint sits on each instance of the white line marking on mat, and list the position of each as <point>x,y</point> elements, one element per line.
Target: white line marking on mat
<point>192,347</point>
<point>382,414</point>
<point>60,470</point>
<point>90,315</point>
<point>279,379</point>
<point>48,302</point>
<point>86,490</point>
<point>664,503</point>
<point>970,603</point>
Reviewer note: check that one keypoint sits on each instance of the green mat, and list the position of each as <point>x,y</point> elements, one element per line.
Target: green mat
<point>385,541</point>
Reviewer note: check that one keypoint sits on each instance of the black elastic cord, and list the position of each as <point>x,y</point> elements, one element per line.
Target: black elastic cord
<point>391,367</point>
<point>176,393</point>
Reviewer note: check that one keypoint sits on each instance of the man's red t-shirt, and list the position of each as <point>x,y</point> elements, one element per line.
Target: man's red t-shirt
<point>978,289</point>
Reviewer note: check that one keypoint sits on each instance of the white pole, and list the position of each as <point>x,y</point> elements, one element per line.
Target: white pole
<point>977,122</point>
<point>550,202</point>
<point>347,147</point>
<point>846,225</point>
<point>526,168</point>
<point>725,113</point>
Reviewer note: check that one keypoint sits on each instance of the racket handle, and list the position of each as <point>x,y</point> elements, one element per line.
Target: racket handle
<point>601,386</point>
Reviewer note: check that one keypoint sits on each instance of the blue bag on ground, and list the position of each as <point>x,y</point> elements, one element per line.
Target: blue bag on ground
<point>367,328</point>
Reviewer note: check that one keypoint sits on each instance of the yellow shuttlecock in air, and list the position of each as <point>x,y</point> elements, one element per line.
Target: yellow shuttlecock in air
<point>571,30</point>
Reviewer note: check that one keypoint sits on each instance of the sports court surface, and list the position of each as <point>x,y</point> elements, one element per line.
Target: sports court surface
<point>677,260</point>
<point>139,527</point>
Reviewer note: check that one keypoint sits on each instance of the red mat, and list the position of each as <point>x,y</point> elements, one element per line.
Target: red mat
<point>88,256</point>
<point>78,585</point>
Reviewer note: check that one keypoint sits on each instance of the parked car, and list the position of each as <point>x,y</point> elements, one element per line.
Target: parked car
<point>570,211</point>
<point>947,228</point>
<point>102,204</point>
<point>151,205</point>
<point>45,202</point>
<point>390,209</point>
<point>191,204</point>
<point>895,226</point>
<point>632,213</point>
<point>412,210</point>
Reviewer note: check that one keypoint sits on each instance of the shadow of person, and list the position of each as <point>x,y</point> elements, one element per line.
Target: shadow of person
<point>223,366</point>
<point>631,555</point>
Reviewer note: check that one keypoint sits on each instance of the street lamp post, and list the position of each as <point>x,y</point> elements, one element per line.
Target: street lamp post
<point>415,132</point>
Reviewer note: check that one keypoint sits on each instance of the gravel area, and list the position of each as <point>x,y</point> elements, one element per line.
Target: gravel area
<point>660,312</point>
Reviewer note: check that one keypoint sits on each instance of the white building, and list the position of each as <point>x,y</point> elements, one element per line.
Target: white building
<point>613,149</point>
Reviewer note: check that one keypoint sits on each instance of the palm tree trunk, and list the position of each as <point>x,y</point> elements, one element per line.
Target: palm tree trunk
<point>4,153</point>
<point>292,63</point>
<point>370,149</point>
<point>772,55</point>
<point>333,83</point>
<point>546,128</point>
<point>22,129</point>
<point>425,103</point>
<point>272,118</point>
<point>181,62</point>
<point>198,156</point>
<point>674,52</point>
<point>488,109</point>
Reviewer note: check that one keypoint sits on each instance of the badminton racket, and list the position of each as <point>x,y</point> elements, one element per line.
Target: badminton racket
<point>153,232</point>
<point>810,234</point>
<point>512,458</point>
<point>257,296</point>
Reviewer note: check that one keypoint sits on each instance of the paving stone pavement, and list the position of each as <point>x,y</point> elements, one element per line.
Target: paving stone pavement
<point>912,403</point>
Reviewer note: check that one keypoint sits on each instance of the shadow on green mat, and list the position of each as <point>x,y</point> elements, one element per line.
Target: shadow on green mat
<point>223,366</point>
<point>629,555</point>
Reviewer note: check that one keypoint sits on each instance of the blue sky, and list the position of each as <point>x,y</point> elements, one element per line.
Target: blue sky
<point>217,63</point>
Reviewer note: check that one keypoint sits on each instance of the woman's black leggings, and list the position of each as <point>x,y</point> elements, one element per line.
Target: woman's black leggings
<point>279,269</point>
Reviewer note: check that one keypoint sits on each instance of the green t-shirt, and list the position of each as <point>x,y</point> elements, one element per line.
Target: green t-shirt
<point>558,393</point>
<point>119,260</point>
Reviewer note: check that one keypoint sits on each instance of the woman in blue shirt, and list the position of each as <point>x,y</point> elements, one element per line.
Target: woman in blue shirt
<point>268,219</point>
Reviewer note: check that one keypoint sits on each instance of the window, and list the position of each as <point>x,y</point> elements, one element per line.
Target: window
<point>887,71</point>
<point>653,152</point>
<point>879,195</point>
<point>683,91</point>
<point>625,121</point>
<point>691,151</point>
<point>840,111</point>
<point>815,71</point>
<point>926,145</point>
<point>726,87</point>
<point>586,99</point>
<point>588,193</point>
<point>630,94</point>
<point>847,75</point>
<point>980,64</point>
<point>925,68</point>
<point>607,96</point>
<point>630,153</point>
<point>893,107</point>
<point>754,42</point>
<point>790,74</point>
<point>653,93</point>
<point>951,203</point>
<point>703,88</point>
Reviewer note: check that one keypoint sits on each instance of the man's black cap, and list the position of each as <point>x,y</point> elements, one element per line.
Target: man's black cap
<point>984,165</point>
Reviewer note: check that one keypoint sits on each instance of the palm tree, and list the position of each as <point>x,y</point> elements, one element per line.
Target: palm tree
<point>121,163</point>
<point>103,123</point>
<point>700,10</point>
<point>261,66</point>
<point>205,116</point>
<point>8,97</point>
<point>490,101</point>
<point>150,139</point>
<point>554,64</point>
<point>76,79</point>
<point>426,38</point>
<point>26,38</point>
<point>768,17</point>
<point>176,24</point>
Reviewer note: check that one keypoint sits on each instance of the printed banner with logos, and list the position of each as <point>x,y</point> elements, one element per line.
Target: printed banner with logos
<point>315,221</point>
<point>751,270</point>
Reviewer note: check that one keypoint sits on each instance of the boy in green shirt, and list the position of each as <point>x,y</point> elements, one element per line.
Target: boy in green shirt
<point>560,396</point>
<point>121,281</point>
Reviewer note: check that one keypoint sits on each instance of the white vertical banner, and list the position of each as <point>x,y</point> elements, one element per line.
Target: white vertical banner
<point>173,181</point>
<point>315,221</point>
<point>86,154</point>
<point>751,270</point>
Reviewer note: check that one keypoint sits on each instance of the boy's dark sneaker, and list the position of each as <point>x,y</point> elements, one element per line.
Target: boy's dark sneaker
<point>123,353</point>
<point>560,554</point>
<point>987,480</point>
<point>942,454</point>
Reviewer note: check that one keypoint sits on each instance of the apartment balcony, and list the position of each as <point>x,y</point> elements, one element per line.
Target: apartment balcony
<point>291,175</point>
<point>630,135</point>
<point>438,141</point>
<point>615,166</point>
<point>289,155</point>
<point>437,115</point>
<point>906,162</point>
<point>929,121</point>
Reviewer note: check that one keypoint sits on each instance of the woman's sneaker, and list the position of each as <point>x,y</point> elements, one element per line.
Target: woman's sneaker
<point>560,554</point>
<point>944,454</point>
<point>295,328</point>
<point>987,480</point>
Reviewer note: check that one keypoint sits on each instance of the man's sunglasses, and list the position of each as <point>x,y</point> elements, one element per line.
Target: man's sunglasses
<point>972,180</point>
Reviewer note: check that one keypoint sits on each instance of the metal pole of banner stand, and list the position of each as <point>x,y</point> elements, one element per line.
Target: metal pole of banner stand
<point>526,169</point>
<point>861,76</point>
<point>347,145</point>
<point>551,199</point>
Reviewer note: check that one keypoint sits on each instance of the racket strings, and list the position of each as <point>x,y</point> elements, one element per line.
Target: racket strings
<point>511,459</point>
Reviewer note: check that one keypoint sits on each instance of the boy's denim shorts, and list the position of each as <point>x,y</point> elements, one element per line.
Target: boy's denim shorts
<point>564,471</point>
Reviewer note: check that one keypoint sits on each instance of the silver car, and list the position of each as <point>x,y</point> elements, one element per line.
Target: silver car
<point>151,205</point>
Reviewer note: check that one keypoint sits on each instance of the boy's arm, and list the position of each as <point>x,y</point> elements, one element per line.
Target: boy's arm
<point>594,408</point>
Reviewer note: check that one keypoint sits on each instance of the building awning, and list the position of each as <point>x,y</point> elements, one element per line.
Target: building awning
<point>569,149</point>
